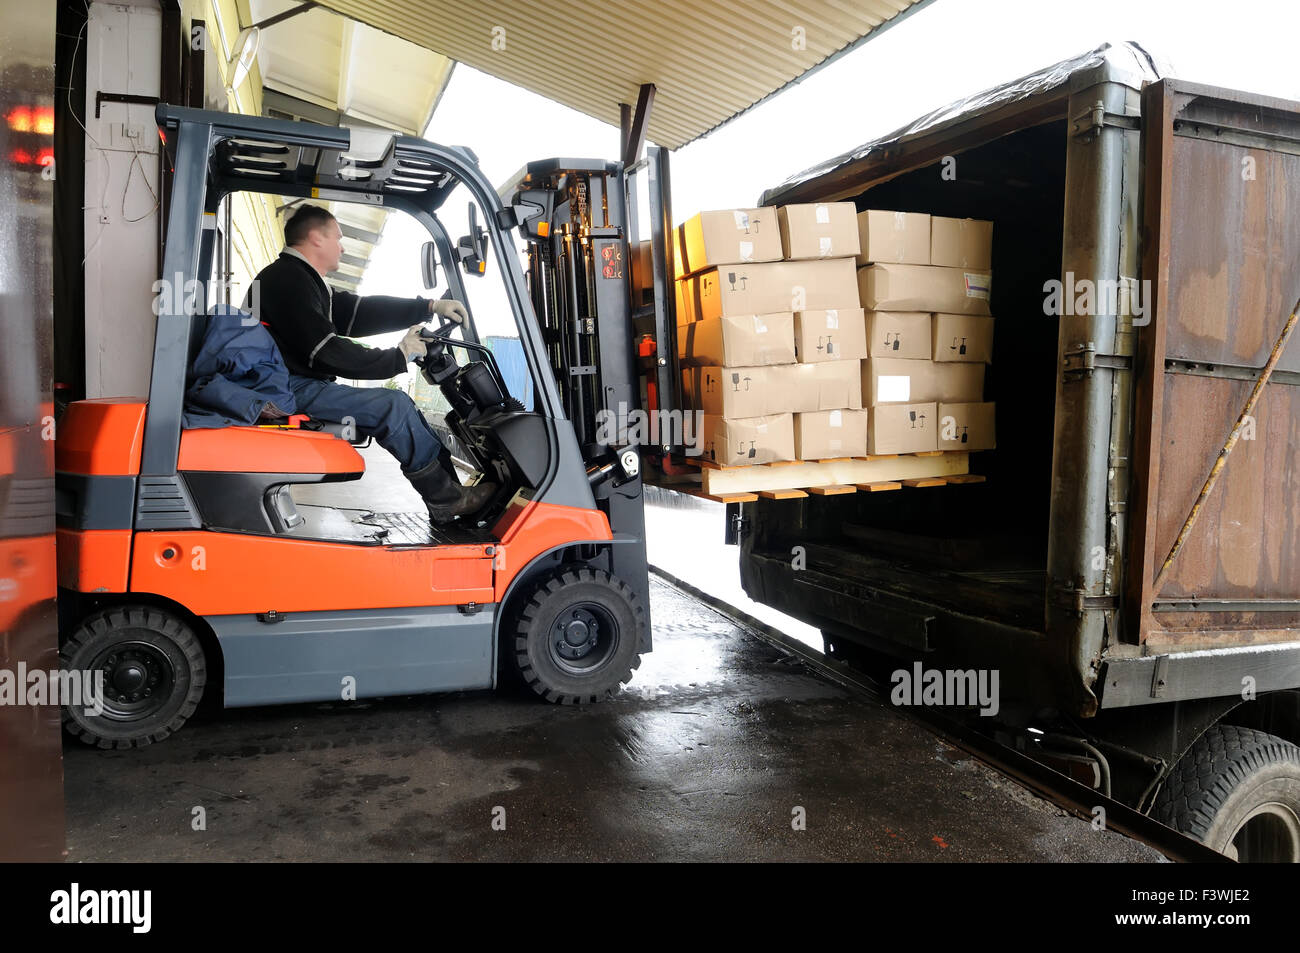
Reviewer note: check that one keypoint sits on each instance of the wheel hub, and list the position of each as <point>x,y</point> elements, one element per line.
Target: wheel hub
<point>577,633</point>
<point>137,679</point>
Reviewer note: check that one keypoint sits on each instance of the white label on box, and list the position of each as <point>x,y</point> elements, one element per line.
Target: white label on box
<point>893,388</point>
<point>900,221</point>
<point>746,251</point>
<point>835,419</point>
<point>742,220</point>
<point>823,215</point>
<point>760,428</point>
<point>977,286</point>
<point>832,319</point>
<point>759,326</point>
<point>824,246</point>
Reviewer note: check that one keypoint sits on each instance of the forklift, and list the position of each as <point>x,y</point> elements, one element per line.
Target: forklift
<point>184,563</point>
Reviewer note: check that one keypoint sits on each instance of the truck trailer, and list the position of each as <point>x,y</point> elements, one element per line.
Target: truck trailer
<point>1130,566</point>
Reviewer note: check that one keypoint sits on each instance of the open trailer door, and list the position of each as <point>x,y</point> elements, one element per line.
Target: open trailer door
<point>1221,267</point>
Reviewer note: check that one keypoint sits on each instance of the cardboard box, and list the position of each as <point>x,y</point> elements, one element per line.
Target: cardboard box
<point>899,237</point>
<point>730,392</point>
<point>961,243</point>
<point>748,441</point>
<point>967,426</point>
<point>901,334</point>
<point>963,337</point>
<point>887,380</point>
<point>804,388</point>
<point>820,230</point>
<point>832,334</point>
<point>923,288</point>
<point>902,428</point>
<point>826,434</point>
<point>769,287</point>
<point>726,237</point>
<point>741,340</point>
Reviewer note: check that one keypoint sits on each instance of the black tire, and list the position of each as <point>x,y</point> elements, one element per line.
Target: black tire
<point>1236,790</point>
<point>574,604</point>
<point>154,675</point>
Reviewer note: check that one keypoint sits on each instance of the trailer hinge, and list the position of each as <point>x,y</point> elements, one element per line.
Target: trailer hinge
<point>1084,359</point>
<point>1081,601</point>
<point>469,608</point>
<point>1096,118</point>
<point>1159,678</point>
<point>270,617</point>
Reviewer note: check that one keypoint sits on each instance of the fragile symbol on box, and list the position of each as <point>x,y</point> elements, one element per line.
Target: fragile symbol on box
<point>960,349</point>
<point>735,382</point>
<point>918,420</point>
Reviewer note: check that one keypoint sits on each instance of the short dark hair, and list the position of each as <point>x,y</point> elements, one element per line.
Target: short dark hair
<point>305,219</point>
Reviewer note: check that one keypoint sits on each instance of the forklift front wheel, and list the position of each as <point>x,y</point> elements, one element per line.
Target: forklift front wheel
<point>146,674</point>
<point>579,636</point>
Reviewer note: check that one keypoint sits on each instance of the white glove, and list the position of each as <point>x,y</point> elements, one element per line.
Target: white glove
<point>411,346</point>
<point>449,309</point>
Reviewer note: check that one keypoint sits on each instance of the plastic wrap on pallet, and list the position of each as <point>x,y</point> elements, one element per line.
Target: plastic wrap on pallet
<point>1123,56</point>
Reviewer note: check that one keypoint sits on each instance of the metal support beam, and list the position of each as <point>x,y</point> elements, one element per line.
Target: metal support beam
<point>634,125</point>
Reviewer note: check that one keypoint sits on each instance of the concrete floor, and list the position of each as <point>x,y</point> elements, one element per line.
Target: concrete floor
<point>703,757</point>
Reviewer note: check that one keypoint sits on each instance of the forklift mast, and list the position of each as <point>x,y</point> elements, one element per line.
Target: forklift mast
<point>601,296</point>
<point>604,313</point>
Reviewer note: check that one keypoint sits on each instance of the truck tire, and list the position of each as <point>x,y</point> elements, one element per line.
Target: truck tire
<point>1237,790</point>
<point>154,674</point>
<point>578,637</point>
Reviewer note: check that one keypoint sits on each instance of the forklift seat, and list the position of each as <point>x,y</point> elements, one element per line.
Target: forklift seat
<point>269,450</point>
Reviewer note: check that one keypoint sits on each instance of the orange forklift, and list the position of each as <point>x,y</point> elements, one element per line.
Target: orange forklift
<point>185,564</point>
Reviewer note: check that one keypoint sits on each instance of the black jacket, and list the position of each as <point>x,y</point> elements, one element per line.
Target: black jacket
<point>312,324</point>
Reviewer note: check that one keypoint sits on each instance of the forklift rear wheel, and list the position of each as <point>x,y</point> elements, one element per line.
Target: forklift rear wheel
<point>579,636</point>
<point>153,676</point>
<point>1237,790</point>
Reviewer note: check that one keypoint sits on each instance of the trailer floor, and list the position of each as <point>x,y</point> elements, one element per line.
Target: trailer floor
<point>704,757</point>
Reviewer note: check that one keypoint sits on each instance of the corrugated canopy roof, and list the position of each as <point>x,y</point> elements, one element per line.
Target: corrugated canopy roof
<point>708,62</point>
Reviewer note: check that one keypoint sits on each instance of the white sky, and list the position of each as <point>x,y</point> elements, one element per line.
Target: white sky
<point>946,51</point>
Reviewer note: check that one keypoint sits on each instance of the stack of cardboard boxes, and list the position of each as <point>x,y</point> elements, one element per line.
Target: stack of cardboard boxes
<point>925,283</point>
<point>781,358</point>
<point>771,334</point>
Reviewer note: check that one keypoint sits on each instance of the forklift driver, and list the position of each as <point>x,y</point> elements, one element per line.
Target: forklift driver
<point>313,327</point>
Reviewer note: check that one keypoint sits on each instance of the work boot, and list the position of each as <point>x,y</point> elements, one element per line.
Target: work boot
<point>445,498</point>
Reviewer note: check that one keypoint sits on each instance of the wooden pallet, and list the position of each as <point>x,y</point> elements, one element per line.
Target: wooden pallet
<point>833,477</point>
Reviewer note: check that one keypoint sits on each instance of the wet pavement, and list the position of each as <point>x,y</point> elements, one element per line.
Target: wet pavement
<point>713,752</point>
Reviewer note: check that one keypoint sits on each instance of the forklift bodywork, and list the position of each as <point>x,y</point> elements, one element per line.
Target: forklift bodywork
<point>299,599</point>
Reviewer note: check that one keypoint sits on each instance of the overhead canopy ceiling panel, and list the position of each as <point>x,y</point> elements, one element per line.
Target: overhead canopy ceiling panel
<point>708,62</point>
<point>331,69</point>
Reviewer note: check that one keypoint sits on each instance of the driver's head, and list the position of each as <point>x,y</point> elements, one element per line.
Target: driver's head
<point>315,234</point>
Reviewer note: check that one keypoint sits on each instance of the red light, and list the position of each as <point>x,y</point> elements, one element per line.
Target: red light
<point>43,120</point>
<point>45,156</point>
<point>21,157</point>
<point>20,119</point>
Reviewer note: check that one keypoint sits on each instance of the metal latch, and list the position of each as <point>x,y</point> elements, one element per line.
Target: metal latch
<point>271,617</point>
<point>1084,359</point>
<point>469,608</point>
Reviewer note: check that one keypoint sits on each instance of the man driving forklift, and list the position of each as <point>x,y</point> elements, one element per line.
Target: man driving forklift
<point>313,326</point>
